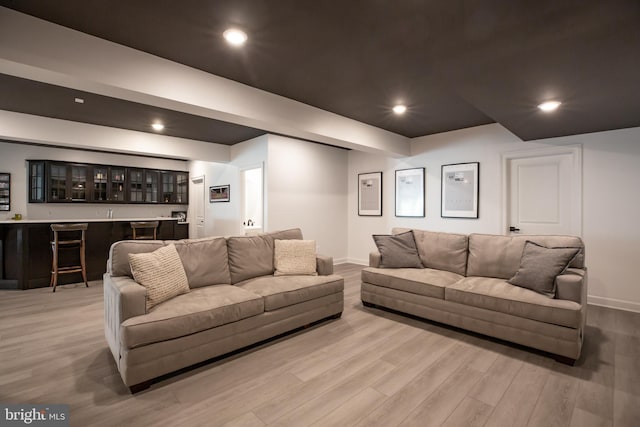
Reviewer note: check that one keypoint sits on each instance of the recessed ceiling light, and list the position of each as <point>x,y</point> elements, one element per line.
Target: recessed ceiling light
<point>399,109</point>
<point>79,100</point>
<point>157,126</point>
<point>235,37</point>
<point>549,106</point>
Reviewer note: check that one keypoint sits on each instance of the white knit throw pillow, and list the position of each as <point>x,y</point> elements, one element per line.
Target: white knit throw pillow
<point>161,272</point>
<point>295,257</point>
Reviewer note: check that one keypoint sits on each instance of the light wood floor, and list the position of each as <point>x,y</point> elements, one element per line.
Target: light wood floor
<point>370,367</point>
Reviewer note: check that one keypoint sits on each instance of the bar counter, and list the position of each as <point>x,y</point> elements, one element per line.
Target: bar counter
<point>25,248</point>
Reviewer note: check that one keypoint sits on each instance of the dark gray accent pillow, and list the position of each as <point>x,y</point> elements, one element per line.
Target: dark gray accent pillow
<point>398,250</point>
<point>540,265</point>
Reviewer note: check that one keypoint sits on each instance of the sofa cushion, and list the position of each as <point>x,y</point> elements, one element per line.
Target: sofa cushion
<point>205,261</point>
<point>118,263</point>
<point>290,234</point>
<point>250,256</point>
<point>201,309</point>
<point>282,291</point>
<point>499,256</point>
<point>539,267</point>
<point>441,251</point>
<point>498,295</point>
<point>161,272</point>
<point>294,257</point>
<point>428,282</point>
<point>397,251</point>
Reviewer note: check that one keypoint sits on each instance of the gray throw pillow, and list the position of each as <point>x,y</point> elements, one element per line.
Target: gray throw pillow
<point>398,250</point>
<point>540,265</point>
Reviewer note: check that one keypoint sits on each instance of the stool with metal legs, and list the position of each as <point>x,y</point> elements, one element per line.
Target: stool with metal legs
<point>138,226</point>
<point>75,239</point>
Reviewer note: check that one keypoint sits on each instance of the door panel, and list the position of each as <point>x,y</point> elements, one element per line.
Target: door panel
<point>543,194</point>
<point>198,204</point>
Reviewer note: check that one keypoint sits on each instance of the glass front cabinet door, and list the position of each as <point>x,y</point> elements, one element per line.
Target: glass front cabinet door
<point>100,178</point>
<point>136,185</point>
<point>37,192</point>
<point>175,187</point>
<point>151,179</point>
<point>117,184</point>
<point>66,182</point>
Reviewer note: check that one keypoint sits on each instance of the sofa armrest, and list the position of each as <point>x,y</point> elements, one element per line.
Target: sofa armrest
<point>572,285</point>
<point>128,296</point>
<point>374,259</point>
<point>123,298</point>
<point>324,265</point>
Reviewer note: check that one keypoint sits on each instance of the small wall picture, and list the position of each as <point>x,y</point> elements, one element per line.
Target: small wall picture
<point>460,187</point>
<point>219,193</point>
<point>370,194</point>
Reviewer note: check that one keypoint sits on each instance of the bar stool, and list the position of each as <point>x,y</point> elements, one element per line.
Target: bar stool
<point>144,225</point>
<point>71,243</point>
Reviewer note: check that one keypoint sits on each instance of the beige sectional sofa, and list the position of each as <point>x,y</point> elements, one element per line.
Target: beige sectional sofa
<point>234,301</point>
<point>464,283</point>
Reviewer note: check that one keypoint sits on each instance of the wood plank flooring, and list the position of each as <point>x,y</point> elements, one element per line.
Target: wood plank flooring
<point>369,368</point>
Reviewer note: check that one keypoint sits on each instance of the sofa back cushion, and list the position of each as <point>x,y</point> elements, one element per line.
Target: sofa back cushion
<point>205,261</point>
<point>441,251</point>
<point>499,256</point>
<point>292,234</point>
<point>252,256</point>
<point>118,262</point>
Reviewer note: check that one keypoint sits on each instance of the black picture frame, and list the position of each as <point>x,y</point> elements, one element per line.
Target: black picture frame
<point>370,194</point>
<point>460,190</point>
<point>219,193</point>
<point>410,192</point>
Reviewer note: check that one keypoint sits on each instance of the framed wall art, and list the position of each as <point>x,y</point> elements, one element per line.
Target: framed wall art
<point>219,193</point>
<point>410,192</point>
<point>370,194</point>
<point>460,188</point>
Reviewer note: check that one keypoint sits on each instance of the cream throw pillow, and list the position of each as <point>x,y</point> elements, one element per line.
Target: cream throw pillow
<point>161,272</point>
<point>295,257</point>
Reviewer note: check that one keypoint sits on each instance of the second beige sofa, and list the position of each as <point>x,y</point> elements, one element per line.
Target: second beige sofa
<point>464,283</point>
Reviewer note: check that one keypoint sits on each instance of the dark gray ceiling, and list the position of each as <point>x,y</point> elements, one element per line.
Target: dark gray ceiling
<point>456,64</point>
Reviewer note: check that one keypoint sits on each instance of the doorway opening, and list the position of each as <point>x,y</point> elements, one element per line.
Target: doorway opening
<point>252,183</point>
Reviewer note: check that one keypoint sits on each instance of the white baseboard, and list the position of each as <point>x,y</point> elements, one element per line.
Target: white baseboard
<point>614,303</point>
<point>337,261</point>
<point>355,261</point>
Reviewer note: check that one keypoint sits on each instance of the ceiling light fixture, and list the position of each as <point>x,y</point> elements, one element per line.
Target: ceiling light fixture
<point>399,109</point>
<point>157,126</point>
<point>549,106</point>
<point>79,100</point>
<point>235,37</point>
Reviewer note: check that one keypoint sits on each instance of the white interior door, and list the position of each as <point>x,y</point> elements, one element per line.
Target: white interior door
<point>544,192</point>
<point>198,206</point>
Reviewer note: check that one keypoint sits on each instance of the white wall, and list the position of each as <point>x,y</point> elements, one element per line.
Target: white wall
<point>306,189</point>
<point>13,159</point>
<point>611,199</point>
